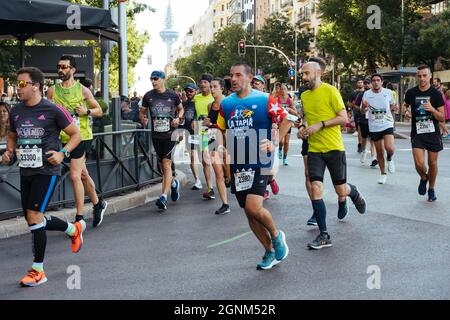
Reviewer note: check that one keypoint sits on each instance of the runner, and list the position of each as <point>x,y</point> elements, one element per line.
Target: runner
<point>166,111</point>
<point>259,83</point>
<point>249,113</point>
<point>425,106</point>
<point>35,125</point>
<point>287,103</point>
<point>216,143</point>
<point>355,107</point>
<point>202,100</point>
<point>379,104</point>
<point>324,113</point>
<point>81,104</point>
<point>192,141</point>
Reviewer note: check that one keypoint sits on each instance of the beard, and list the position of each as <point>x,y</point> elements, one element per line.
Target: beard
<point>64,77</point>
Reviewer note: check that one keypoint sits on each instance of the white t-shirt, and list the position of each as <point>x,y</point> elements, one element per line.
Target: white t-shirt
<point>379,111</point>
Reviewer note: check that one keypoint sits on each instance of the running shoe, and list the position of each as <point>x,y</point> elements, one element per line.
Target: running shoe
<point>274,186</point>
<point>161,203</point>
<point>285,161</point>
<point>312,221</point>
<point>382,179</point>
<point>322,241</point>
<point>374,163</point>
<point>280,246</point>
<point>268,261</point>
<point>175,191</point>
<point>224,209</point>
<point>391,166</point>
<point>431,195</point>
<point>77,238</point>
<point>358,200</point>
<point>266,195</point>
<point>98,212</point>
<point>362,158</point>
<point>280,154</point>
<point>423,186</point>
<point>33,278</point>
<point>209,195</point>
<point>343,211</point>
<point>197,185</point>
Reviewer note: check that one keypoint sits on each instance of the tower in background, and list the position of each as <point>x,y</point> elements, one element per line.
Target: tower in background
<point>168,34</point>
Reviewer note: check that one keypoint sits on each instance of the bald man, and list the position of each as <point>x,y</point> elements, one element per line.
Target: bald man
<point>325,113</point>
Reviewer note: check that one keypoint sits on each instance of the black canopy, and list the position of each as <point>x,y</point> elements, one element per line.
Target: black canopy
<point>47,20</point>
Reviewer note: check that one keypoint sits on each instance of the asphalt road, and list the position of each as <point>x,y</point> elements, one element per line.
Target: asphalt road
<point>190,253</point>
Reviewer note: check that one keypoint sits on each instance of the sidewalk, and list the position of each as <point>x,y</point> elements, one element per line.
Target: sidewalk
<point>18,226</point>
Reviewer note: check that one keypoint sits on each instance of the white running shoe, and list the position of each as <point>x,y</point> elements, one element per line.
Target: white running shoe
<point>197,185</point>
<point>382,179</point>
<point>391,166</point>
<point>363,156</point>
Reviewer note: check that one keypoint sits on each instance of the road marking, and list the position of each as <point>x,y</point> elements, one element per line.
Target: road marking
<point>229,240</point>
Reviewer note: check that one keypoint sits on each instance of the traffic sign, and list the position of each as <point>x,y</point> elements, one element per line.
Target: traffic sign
<point>291,72</point>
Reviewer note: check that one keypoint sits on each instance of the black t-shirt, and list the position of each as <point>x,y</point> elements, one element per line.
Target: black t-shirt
<point>189,115</point>
<point>358,100</point>
<point>163,108</point>
<point>422,120</point>
<point>38,130</point>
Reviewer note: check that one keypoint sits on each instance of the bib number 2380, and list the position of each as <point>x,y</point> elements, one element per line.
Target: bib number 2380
<point>244,180</point>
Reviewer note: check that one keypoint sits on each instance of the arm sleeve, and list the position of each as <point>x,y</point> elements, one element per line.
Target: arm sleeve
<point>336,100</point>
<point>275,111</point>
<point>221,123</point>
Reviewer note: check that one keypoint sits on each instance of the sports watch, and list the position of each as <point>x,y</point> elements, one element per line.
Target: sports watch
<point>66,153</point>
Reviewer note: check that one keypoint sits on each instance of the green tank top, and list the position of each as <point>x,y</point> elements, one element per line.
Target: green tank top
<point>70,98</point>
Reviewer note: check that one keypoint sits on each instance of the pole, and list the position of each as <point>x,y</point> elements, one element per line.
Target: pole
<point>296,60</point>
<point>105,62</point>
<point>123,58</point>
<point>254,30</point>
<point>403,30</point>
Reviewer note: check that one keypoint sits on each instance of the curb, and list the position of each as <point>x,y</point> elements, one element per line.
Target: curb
<point>18,226</point>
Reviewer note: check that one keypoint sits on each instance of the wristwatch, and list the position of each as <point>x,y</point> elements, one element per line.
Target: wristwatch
<point>88,112</point>
<point>66,153</point>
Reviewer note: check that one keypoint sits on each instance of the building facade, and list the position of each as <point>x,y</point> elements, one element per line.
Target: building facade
<point>262,12</point>
<point>247,15</point>
<point>307,16</point>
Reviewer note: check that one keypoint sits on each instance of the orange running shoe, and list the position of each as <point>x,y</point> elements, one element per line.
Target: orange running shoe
<point>77,238</point>
<point>33,278</point>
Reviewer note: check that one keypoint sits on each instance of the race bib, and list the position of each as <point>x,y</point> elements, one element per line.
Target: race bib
<point>76,120</point>
<point>212,134</point>
<point>378,116</point>
<point>194,139</point>
<point>244,180</point>
<point>29,153</point>
<point>161,125</point>
<point>425,126</point>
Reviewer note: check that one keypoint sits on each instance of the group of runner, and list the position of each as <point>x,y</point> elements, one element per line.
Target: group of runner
<point>236,136</point>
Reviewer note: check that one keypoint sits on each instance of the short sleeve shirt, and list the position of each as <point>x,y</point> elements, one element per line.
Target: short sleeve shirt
<point>189,115</point>
<point>379,111</point>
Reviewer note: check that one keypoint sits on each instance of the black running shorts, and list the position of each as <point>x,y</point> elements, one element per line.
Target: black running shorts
<point>429,143</point>
<point>36,192</point>
<point>336,163</point>
<point>164,148</point>
<point>258,187</point>
<point>376,136</point>
<point>81,150</point>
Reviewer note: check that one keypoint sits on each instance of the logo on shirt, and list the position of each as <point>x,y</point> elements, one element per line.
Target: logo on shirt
<point>240,121</point>
<point>41,117</point>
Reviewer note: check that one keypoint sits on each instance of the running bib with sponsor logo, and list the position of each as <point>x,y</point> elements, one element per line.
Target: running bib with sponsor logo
<point>378,116</point>
<point>161,124</point>
<point>194,139</point>
<point>425,126</point>
<point>29,153</point>
<point>244,180</point>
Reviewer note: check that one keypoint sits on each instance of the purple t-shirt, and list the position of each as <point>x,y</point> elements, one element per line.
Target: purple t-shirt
<point>38,128</point>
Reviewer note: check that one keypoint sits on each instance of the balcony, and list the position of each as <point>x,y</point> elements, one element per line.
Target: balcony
<point>304,17</point>
<point>287,4</point>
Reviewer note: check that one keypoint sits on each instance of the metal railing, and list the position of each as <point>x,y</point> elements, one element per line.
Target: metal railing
<point>121,161</point>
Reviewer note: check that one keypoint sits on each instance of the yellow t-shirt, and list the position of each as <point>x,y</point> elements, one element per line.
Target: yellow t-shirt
<point>201,104</point>
<point>323,104</point>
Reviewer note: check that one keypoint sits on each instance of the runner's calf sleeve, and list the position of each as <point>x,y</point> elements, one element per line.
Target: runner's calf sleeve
<point>55,224</point>
<point>39,241</point>
<point>320,212</point>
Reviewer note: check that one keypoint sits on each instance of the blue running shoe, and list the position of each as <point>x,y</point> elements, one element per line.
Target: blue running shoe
<point>175,194</point>
<point>268,261</point>
<point>280,246</point>
<point>423,187</point>
<point>431,195</point>
<point>162,203</point>
<point>343,209</point>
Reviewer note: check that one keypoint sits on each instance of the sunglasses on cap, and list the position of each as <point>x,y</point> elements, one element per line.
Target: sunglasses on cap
<point>22,83</point>
<point>154,78</point>
<point>62,66</point>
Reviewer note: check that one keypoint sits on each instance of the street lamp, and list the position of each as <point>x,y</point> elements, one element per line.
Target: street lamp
<point>186,77</point>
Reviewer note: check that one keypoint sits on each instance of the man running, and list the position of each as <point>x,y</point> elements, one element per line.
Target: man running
<point>166,112</point>
<point>248,115</point>
<point>35,125</point>
<point>202,100</point>
<point>425,108</point>
<point>356,114</point>
<point>325,112</point>
<point>379,104</point>
<point>81,104</point>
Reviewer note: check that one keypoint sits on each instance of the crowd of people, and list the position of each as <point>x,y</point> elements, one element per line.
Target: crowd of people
<point>233,131</point>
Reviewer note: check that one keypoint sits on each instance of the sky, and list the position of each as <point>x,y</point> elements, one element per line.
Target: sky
<point>185,14</point>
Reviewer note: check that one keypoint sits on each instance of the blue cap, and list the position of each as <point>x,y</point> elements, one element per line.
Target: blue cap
<point>191,86</point>
<point>260,78</point>
<point>158,74</point>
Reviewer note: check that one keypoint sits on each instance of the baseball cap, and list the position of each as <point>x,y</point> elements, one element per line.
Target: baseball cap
<point>260,78</point>
<point>158,74</point>
<point>206,77</point>
<point>190,86</point>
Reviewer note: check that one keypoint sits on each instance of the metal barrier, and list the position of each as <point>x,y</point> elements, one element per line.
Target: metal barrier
<point>121,161</point>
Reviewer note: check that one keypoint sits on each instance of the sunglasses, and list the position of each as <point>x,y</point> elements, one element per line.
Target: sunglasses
<point>154,78</point>
<point>22,84</point>
<point>63,67</point>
